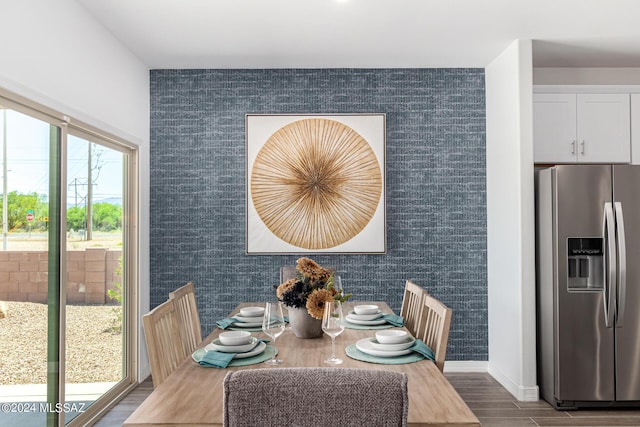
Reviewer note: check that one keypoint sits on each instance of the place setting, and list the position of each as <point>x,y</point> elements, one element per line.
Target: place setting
<point>369,316</point>
<point>390,347</point>
<point>239,347</point>
<point>248,319</point>
<point>234,348</point>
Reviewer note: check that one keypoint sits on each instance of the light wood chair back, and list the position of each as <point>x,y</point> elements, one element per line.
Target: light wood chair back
<point>188,318</point>
<point>411,304</point>
<point>433,328</point>
<point>165,348</point>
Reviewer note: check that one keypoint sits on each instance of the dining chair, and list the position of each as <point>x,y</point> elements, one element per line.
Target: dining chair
<point>411,303</point>
<point>332,396</point>
<point>433,327</point>
<point>164,345</point>
<point>188,318</point>
<point>290,272</point>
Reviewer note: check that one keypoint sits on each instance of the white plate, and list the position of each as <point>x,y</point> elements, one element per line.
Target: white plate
<point>392,347</point>
<point>218,346</point>
<point>248,319</point>
<point>246,324</point>
<point>259,349</point>
<point>365,346</point>
<point>365,316</point>
<point>365,322</point>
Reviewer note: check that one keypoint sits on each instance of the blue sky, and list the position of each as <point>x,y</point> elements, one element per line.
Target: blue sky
<point>28,161</point>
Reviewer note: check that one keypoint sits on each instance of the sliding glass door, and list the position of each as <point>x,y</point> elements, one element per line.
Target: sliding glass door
<point>66,269</point>
<point>24,288</point>
<point>95,345</point>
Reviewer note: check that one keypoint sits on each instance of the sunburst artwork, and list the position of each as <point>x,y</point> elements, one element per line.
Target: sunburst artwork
<point>315,183</point>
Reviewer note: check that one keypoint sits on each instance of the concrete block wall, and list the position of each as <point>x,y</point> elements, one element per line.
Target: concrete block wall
<point>90,273</point>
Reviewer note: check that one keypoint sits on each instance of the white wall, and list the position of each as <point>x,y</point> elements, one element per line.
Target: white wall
<point>54,53</point>
<point>510,221</point>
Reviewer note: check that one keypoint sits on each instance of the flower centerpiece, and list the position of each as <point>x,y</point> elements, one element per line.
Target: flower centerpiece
<point>308,292</point>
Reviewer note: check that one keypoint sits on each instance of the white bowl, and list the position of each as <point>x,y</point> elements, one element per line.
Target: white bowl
<point>391,336</point>
<point>235,337</point>
<point>252,311</point>
<point>366,309</point>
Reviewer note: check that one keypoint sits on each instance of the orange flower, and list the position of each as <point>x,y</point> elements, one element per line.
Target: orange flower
<point>311,269</point>
<point>283,288</point>
<point>316,301</point>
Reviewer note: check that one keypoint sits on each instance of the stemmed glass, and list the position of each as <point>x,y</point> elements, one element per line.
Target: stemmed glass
<point>337,283</point>
<point>333,325</point>
<point>273,326</point>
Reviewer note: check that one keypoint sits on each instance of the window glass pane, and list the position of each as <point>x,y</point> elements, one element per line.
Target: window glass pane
<point>24,268</point>
<point>94,302</point>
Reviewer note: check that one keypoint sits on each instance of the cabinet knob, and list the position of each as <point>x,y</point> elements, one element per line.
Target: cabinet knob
<point>582,144</point>
<point>573,147</point>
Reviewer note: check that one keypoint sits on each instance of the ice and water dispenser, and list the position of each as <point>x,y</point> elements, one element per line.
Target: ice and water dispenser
<point>585,267</point>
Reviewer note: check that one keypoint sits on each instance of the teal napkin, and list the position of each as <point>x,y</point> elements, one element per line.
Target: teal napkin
<point>394,319</point>
<point>420,347</point>
<point>216,359</point>
<point>225,323</point>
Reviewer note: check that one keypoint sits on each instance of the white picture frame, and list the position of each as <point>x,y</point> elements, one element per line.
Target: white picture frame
<point>315,183</point>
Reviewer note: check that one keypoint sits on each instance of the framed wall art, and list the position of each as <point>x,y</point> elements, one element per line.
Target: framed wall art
<point>315,183</point>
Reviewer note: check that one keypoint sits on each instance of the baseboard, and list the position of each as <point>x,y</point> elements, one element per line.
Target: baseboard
<point>465,366</point>
<point>523,394</point>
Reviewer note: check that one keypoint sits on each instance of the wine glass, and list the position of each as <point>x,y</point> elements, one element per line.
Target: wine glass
<point>333,325</point>
<point>273,326</point>
<point>337,283</point>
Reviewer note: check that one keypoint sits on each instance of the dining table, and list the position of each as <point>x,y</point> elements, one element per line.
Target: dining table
<point>193,394</point>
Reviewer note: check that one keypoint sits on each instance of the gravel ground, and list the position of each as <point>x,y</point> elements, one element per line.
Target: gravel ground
<point>94,352</point>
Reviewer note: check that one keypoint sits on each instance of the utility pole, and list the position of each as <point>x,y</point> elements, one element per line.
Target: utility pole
<point>89,197</point>
<point>5,209</point>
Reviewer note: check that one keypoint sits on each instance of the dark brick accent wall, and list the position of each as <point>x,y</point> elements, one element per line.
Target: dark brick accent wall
<point>435,186</point>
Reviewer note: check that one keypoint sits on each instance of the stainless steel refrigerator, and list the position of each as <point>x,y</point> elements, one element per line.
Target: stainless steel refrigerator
<point>588,285</point>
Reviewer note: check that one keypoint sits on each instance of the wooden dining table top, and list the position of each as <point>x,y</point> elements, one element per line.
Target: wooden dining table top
<point>192,394</point>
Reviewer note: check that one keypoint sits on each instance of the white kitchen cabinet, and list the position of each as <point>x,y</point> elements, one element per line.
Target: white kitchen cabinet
<point>554,127</point>
<point>581,128</point>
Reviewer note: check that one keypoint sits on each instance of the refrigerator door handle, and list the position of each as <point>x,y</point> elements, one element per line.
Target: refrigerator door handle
<point>610,273</point>
<point>622,264</point>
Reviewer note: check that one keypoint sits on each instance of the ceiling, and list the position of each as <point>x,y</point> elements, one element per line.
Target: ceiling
<point>370,33</point>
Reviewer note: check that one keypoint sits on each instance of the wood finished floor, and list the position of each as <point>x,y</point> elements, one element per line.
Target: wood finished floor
<point>488,400</point>
<point>495,406</point>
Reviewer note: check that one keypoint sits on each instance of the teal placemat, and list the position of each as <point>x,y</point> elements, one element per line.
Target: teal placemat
<point>350,325</point>
<point>353,352</point>
<point>267,354</point>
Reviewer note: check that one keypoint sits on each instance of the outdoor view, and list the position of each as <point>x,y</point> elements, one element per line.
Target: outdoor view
<point>93,330</point>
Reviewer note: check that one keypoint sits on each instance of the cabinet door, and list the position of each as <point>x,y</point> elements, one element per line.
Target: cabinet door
<point>554,128</point>
<point>604,128</point>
